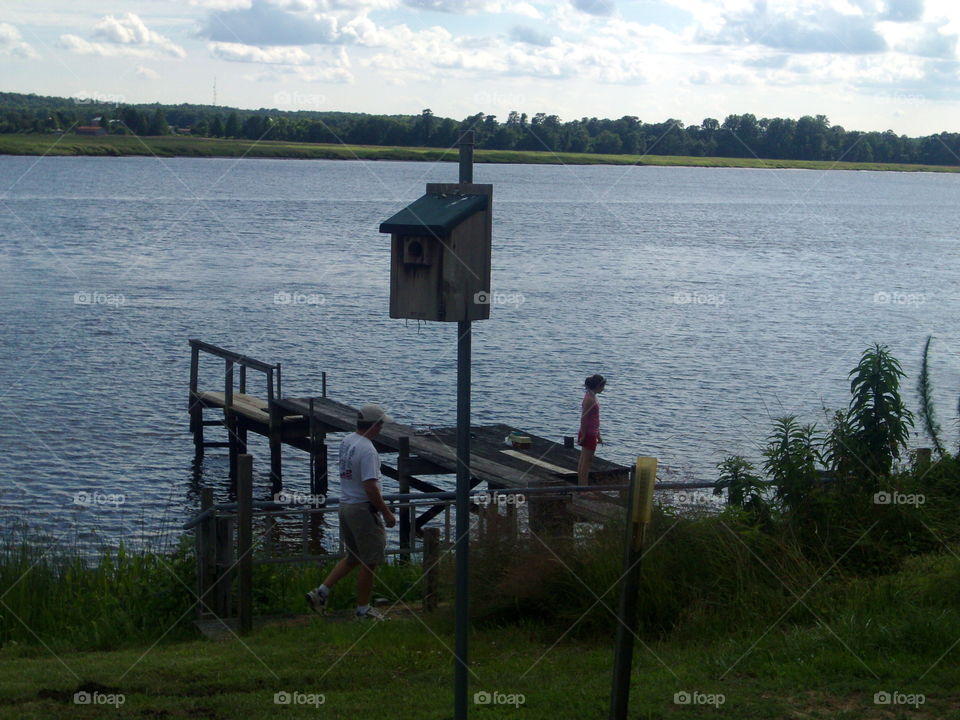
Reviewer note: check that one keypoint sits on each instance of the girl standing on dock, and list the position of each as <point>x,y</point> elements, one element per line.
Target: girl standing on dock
<point>589,435</point>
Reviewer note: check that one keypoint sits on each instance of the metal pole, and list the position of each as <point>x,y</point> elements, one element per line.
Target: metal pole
<point>639,511</point>
<point>462,604</point>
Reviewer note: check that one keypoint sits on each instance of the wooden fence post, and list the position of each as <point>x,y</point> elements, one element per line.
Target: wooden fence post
<point>205,553</point>
<point>245,540</point>
<point>431,568</point>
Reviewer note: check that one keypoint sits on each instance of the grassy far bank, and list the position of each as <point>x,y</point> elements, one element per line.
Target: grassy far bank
<point>187,146</point>
<point>891,635</point>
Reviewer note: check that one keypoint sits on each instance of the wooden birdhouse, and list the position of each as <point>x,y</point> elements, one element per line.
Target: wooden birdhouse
<point>440,254</point>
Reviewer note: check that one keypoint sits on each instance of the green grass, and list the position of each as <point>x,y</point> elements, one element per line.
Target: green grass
<point>186,146</point>
<point>871,636</point>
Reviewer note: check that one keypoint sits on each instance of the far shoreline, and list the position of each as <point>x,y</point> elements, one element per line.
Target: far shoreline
<point>170,146</point>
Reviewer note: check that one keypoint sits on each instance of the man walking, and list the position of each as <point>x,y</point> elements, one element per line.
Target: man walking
<point>363,513</point>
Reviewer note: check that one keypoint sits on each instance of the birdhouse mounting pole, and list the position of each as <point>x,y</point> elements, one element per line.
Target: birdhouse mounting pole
<point>462,621</point>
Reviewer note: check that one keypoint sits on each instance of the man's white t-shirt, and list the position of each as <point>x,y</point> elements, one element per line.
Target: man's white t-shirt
<point>359,461</point>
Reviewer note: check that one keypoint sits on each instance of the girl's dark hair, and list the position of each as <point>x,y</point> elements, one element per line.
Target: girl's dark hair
<point>594,381</point>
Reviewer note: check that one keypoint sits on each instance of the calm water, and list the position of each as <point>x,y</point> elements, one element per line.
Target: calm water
<point>712,299</point>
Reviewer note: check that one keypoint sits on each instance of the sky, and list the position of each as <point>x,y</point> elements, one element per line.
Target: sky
<point>865,64</point>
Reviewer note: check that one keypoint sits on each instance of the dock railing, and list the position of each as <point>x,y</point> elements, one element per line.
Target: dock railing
<point>237,435</point>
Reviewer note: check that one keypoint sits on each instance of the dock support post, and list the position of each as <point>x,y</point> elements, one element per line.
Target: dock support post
<point>431,569</point>
<point>195,407</point>
<point>230,420</point>
<point>276,450</point>
<point>245,540</point>
<point>319,478</point>
<point>639,511</point>
<point>403,478</point>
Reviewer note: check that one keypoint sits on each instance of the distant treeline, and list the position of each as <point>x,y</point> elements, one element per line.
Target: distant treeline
<point>809,138</point>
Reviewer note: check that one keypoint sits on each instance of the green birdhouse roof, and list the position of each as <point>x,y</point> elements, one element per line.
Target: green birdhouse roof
<point>434,214</point>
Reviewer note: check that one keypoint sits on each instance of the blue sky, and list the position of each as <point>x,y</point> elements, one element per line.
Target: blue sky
<point>866,64</point>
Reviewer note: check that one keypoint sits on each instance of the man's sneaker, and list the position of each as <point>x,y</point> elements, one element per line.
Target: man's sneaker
<point>371,614</point>
<point>317,601</point>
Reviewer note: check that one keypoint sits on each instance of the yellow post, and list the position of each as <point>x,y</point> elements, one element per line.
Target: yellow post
<point>640,511</point>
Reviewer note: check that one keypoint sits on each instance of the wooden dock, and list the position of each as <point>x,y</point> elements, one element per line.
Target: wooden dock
<point>304,422</point>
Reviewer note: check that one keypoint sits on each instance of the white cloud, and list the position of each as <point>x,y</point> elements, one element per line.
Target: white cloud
<point>461,7</point>
<point>595,7</point>
<point>264,24</point>
<point>147,73</point>
<point>238,52</point>
<point>126,35</point>
<point>11,43</point>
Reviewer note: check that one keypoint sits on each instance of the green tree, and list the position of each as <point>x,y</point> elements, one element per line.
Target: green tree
<point>158,124</point>
<point>232,127</point>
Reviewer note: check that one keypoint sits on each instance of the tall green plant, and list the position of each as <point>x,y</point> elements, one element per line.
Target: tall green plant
<point>877,411</point>
<point>925,390</point>
<point>745,489</point>
<point>839,450</point>
<point>791,461</point>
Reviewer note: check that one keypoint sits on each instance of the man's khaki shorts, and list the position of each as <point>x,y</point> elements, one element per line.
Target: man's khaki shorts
<point>363,533</point>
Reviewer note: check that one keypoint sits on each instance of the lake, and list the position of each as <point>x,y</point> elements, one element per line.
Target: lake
<point>713,300</point>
